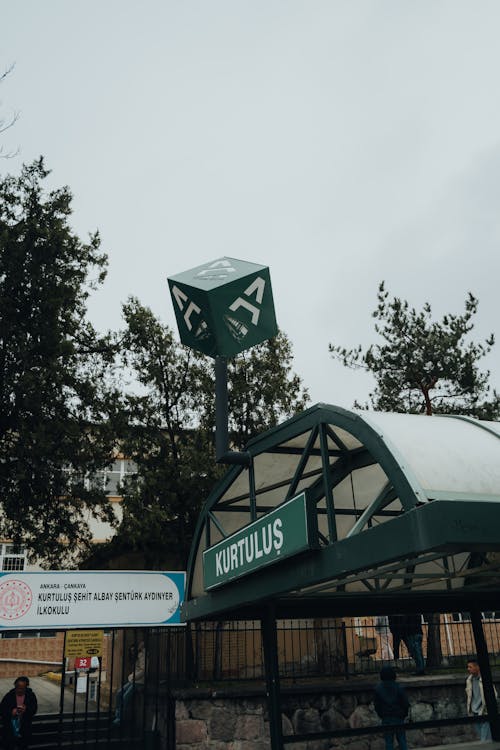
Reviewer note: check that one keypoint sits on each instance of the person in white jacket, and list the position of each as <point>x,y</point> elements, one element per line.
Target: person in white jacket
<point>476,705</point>
<point>384,634</point>
<point>125,693</point>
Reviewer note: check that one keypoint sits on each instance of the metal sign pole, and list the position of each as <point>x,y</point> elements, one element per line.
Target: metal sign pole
<point>222,452</point>
<point>222,308</point>
<point>61,695</point>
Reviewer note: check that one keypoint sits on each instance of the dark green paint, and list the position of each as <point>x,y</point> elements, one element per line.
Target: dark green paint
<point>285,531</point>
<point>224,307</point>
<point>431,527</point>
<point>273,688</point>
<point>421,529</point>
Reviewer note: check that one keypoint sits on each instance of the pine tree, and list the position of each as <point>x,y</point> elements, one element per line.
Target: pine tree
<point>425,366</point>
<point>54,395</point>
<point>170,434</point>
<point>422,365</point>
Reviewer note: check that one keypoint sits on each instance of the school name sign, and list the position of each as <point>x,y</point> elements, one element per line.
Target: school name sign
<point>285,531</point>
<point>84,599</point>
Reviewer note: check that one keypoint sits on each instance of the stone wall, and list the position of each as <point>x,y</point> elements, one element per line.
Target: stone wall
<point>219,721</point>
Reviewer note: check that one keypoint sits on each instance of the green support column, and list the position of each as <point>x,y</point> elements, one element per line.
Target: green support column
<point>253,493</point>
<point>486,676</point>
<point>270,643</point>
<point>328,487</point>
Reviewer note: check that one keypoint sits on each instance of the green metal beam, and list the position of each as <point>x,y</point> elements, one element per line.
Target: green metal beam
<point>302,463</point>
<point>284,483</point>
<point>335,438</point>
<point>327,484</point>
<point>213,519</point>
<point>374,445</point>
<point>430,528</point>
<point>341,469</point>
<point>385,496</point>
<point>253,495</point>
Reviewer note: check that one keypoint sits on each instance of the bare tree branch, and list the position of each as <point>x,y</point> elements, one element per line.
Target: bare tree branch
<point>6,123</point>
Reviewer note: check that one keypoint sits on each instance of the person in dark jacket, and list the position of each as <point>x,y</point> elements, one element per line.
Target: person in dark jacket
<point>396,628</point>
<point>17,709</point>
<point>408,628</point>
<point>392,705</point>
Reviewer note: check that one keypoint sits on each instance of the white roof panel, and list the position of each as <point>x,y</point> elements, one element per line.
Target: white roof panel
<point>447,455</point>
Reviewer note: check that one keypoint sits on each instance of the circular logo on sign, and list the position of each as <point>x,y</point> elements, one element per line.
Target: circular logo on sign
<point>15,599</point>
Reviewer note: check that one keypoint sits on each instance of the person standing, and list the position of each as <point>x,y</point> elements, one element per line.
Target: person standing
<point>17,709</point>
<point>125,693</point>
<point>392,705</point>
<point>408,628</point>
<point>395,626</point>
<point>476,705</point>
<point>382,629</point>
<point>412,638</point>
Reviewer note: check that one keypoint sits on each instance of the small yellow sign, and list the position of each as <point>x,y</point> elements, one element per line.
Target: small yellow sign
<point>84,643</point>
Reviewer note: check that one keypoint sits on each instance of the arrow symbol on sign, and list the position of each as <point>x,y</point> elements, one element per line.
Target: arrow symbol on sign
<point>256,287</point>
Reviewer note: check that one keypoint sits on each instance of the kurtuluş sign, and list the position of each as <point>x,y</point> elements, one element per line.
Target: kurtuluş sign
<point>82,599</point>
<point>287,530</point>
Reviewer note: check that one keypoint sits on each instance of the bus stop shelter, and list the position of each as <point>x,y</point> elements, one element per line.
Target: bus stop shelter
<point>344,513</point>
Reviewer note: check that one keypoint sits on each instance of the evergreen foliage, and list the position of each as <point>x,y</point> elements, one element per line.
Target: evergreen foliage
<point>62,416</point>
<point>171,430</point>
<point>54,400</point>
<point>423,365</point>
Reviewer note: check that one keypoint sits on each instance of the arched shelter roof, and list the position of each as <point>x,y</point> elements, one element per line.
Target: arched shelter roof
<point>404,510</point>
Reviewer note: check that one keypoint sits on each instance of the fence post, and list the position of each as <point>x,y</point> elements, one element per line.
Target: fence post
<point>217,665</point>
<point>344,647</point>
<point>486,676</point>
<point>61,696</point>
<point>189,653</point>
<point>270,643</point>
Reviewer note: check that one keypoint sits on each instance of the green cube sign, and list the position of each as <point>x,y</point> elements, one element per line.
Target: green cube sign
<point>285,531</point>
<point>224,307</point>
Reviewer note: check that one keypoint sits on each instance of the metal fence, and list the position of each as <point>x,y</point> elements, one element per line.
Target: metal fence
<point>232,652</point>
<point>124,700</point>
<point>332,648</point>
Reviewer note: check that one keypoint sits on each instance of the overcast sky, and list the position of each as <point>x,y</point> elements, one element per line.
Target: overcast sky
<point>338,142</point>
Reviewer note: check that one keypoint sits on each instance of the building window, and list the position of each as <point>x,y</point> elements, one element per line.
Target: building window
<point>13,563</point>
<point>12,557</point>
<point>93,690</point>
<point>460,616</point>
<point>13,549</point>
<point>465,616</point>
<point>114,474</point>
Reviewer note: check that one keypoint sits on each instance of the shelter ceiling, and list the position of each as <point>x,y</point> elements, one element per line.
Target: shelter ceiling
<point>381,486</point>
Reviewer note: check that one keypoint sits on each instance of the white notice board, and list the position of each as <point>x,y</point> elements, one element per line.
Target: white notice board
<point>88,599</point>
